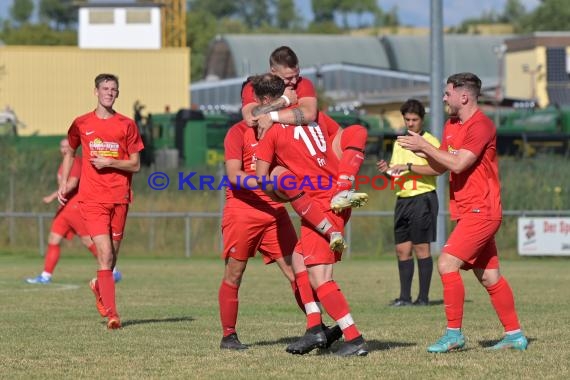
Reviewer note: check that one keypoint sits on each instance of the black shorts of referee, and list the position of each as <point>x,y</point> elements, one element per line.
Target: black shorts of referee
<point>415,218</point>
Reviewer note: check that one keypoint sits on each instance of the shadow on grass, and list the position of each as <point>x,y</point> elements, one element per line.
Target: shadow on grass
<point>133,322</point>
<point>373,345</point>
<point>491,343</point>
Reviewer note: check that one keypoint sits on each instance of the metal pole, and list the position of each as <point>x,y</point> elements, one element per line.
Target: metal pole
<point>436,108</point>
<point>187,232</point>
<point>41,234</point>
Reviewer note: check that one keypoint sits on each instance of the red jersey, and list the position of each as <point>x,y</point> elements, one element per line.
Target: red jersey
<point>306,151</point>
<point>117,137</point>
<point>304,89</point>
<point>476,192</point>
<point>241,144</point>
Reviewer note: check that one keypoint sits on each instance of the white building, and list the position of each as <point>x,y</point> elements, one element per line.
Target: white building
<point>119,25</point>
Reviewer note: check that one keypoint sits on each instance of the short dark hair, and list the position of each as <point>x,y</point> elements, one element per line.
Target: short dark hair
<point>283,56</point>
<point>267,85</point>
<point>413,106</point>
<point>106,77</point>
<point>468,80</point>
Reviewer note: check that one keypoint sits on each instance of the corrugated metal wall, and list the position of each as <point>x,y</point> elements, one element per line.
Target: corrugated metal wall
<point>48,87</point>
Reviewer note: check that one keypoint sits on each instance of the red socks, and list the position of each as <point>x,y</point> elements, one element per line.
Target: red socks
<point>336,306</point>
<point>352,144</point>
<point>504,303</point>
<point>229,303</point>
<point>453,299</point>
<point>310,305</point>
<point>107,291</point>
<point>52,257</point>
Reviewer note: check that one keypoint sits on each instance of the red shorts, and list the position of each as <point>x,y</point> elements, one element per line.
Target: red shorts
<point>473,241</point>
<point>315,247</point>
<point>105,218</point>
<point>68,221</point>
<point>247,230</point>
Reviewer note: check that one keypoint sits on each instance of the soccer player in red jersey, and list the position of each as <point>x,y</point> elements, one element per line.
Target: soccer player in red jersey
<point>66,223</point>
<point>469,151</point>
<point>111,146</point>
<point>307,151</point>
<point>298,106</point>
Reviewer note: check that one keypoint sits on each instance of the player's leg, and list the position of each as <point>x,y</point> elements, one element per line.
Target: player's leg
<point>228,301</point>
<point>336,305</point>
<point>349,144</point>
<point>88,243</point>
<point>306,208</point>
<point>502,299</point>
<point>51,259</point>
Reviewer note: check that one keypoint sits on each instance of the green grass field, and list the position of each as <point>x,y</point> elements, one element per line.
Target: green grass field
<point>171,327</point>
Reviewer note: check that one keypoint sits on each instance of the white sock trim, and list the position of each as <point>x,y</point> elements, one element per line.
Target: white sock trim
<point>345,321</point>
<point>311,308</point>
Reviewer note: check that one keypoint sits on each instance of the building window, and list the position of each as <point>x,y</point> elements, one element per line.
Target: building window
<point>138,16</point>
<point>101,16</point>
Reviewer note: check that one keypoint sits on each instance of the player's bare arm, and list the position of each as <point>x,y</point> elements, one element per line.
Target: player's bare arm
<point>262,171</point>
<point>67,163</point>
<point>132,164</point>
<point>234,170</point>
<point>457,161</point>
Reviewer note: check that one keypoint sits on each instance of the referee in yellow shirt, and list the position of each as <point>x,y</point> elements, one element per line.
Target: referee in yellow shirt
<point>415,216</point>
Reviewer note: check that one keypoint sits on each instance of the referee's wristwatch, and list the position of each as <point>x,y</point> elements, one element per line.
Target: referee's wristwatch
<point>409,166</point>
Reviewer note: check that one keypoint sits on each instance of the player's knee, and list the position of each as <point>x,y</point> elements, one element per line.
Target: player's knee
<point>354,136</point>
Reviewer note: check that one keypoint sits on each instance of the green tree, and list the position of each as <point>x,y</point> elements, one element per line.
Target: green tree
<point>254,13</point>
<point>358,7</point>
<point>514,11</point>
<point>286,16</point>
<point>549,15</point>
<point>324,10</point>
<point>37,34</point>
<point>217,8</point>
<point>62,13</point>
<point>22,10</point>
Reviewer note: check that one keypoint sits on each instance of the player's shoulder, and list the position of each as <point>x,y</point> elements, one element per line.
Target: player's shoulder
<point>124,119</point>
<point>83,118</point>
<point>238,128</point>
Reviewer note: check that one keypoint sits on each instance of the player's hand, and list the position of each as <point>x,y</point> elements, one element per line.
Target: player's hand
<point>291,94</point>
<point>413,141</point>
<point>49,198</point>
<point>101,162</point>
<point>61,194</point>
<point>396,170</point>
<point>382,166</point>
<point>264,122</point>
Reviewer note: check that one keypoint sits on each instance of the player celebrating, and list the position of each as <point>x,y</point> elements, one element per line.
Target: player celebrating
<point>251,222</point>
<point>469,151</point>
<point>307,149</point>
<point>284,63</point>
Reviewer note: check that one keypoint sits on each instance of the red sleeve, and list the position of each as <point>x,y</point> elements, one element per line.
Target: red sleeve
<point>266,149</point>
<point>247,95</point>
<point>134,141</point>
<point>478,137</point>
<point>443,145</point>
<point>305,89</point>
<point>233,144</point>
<point>76,168</point>
<point>73,136</point>
<point>327,123</point>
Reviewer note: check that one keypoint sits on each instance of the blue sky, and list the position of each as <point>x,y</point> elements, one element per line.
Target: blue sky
<point>409,11</point>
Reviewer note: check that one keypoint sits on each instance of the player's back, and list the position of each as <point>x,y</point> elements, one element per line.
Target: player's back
<point>306,150</point>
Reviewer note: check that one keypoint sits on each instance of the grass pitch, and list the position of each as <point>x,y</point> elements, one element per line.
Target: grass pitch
<point>171,326</point>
